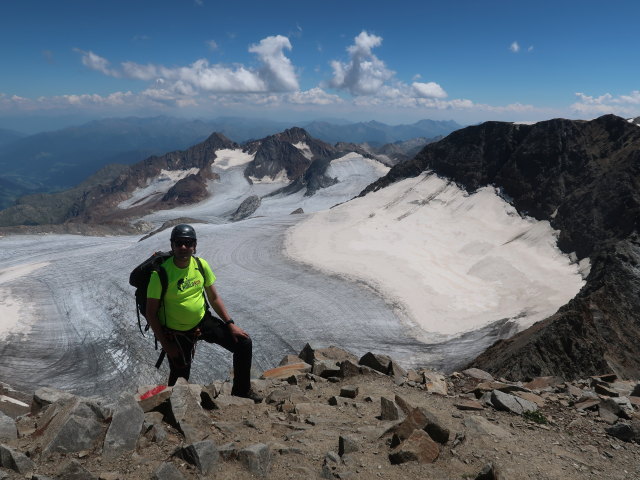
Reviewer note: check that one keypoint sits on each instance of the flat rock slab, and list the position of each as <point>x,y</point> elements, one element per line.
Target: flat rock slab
<point>540,383</point>
<point>224,401</point>
<point>285,371</point>
<point>478,374</point>
<point>419,447</point>
<point>468,404</point>
<point>605,390</point>
<point>531,397</point>
<point>587,404</point>
<point>512,403</point>
<point>46,396</point>
<point>481,426</point>
<point>436,383</point>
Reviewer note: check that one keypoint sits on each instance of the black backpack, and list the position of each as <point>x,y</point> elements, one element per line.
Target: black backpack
<point>140,276</point>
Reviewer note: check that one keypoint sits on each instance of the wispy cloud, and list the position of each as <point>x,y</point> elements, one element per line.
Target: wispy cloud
<point>625,105</point>
<point>514,47</point>
<point>96,62</point>
<point>213,45</point>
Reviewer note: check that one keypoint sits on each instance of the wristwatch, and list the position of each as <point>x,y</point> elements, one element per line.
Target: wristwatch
<point>229,322</point>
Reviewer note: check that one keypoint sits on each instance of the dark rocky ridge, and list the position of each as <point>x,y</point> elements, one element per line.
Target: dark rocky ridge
<point>583,177</point>
<point>277,152</point>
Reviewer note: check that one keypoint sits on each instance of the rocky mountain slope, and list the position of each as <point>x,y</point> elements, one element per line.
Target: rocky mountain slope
<point>583,177</point>
<point>327,414</point>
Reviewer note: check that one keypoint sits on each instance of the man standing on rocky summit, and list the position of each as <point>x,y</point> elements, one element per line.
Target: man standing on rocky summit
<point>181,317</point>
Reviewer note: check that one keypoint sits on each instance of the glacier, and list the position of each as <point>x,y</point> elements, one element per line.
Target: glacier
<point>380,273</point>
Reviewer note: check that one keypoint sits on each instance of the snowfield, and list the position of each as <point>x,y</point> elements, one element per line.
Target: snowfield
<point>456,262</point>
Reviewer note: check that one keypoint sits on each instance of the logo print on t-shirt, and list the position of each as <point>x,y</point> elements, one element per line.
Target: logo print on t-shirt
<point>185,283</point>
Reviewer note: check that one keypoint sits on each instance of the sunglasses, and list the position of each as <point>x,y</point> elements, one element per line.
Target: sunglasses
<point>187,242</point>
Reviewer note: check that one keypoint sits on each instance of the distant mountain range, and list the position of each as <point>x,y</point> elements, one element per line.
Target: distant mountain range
<point>293,154</point>
<point>9,136</point>
<point>58,160</point>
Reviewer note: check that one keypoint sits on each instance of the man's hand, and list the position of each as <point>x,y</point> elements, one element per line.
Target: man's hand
<point>236,332</point>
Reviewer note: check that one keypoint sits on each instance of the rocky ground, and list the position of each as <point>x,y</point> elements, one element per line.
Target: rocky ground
<point>328,414</point>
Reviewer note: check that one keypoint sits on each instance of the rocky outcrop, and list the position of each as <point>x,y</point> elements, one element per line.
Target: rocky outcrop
<point>338,426</point>
<point>582,177</point>
<point>247,208</point>
<point>301,157</point>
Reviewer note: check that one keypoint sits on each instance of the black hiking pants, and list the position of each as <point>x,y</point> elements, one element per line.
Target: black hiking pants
<point>213,330</point>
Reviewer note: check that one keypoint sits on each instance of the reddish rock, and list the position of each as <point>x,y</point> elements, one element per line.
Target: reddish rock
<point>605,390</point>
<point>285,371</point>
<point>468,404</point>
<point>417,448</point>
<point>540,383</point>
<point>532,397</point>
<point>587,404</point>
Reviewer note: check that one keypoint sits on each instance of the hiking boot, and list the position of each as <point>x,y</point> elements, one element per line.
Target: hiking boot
<point>251,394</point>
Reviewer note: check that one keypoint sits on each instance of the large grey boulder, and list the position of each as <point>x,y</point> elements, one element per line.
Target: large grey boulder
<point>256,458</point>
<point>14,460</point>
<point>46,396</point>
<point>8,429</point>
<point>124,429</point>
<point>71,426</point>
<point>248,207</point>
<point>187,413</point>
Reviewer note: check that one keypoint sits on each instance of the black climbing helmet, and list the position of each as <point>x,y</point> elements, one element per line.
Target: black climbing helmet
<point>183,231</point>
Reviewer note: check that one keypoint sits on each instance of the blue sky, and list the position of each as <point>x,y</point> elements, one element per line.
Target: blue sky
<point>395,62</point>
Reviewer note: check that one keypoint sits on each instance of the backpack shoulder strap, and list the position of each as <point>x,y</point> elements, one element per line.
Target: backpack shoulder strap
<point>164,280</point>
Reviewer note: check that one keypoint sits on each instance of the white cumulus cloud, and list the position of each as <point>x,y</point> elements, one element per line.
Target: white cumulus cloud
<point>277,71</point>
<point>428,90</point>
<point>275,74</point>
<point>364,74</point>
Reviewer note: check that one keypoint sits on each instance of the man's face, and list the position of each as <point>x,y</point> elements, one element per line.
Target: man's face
<point>183,248</point>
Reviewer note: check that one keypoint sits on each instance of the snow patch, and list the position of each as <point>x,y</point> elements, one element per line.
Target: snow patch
<point>304,149</point>
<point>281,177</point>
<point>228,158</point>
<point>156,186</point>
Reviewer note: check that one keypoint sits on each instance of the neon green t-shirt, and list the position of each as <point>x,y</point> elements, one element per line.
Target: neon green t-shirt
<point>183,305</point>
